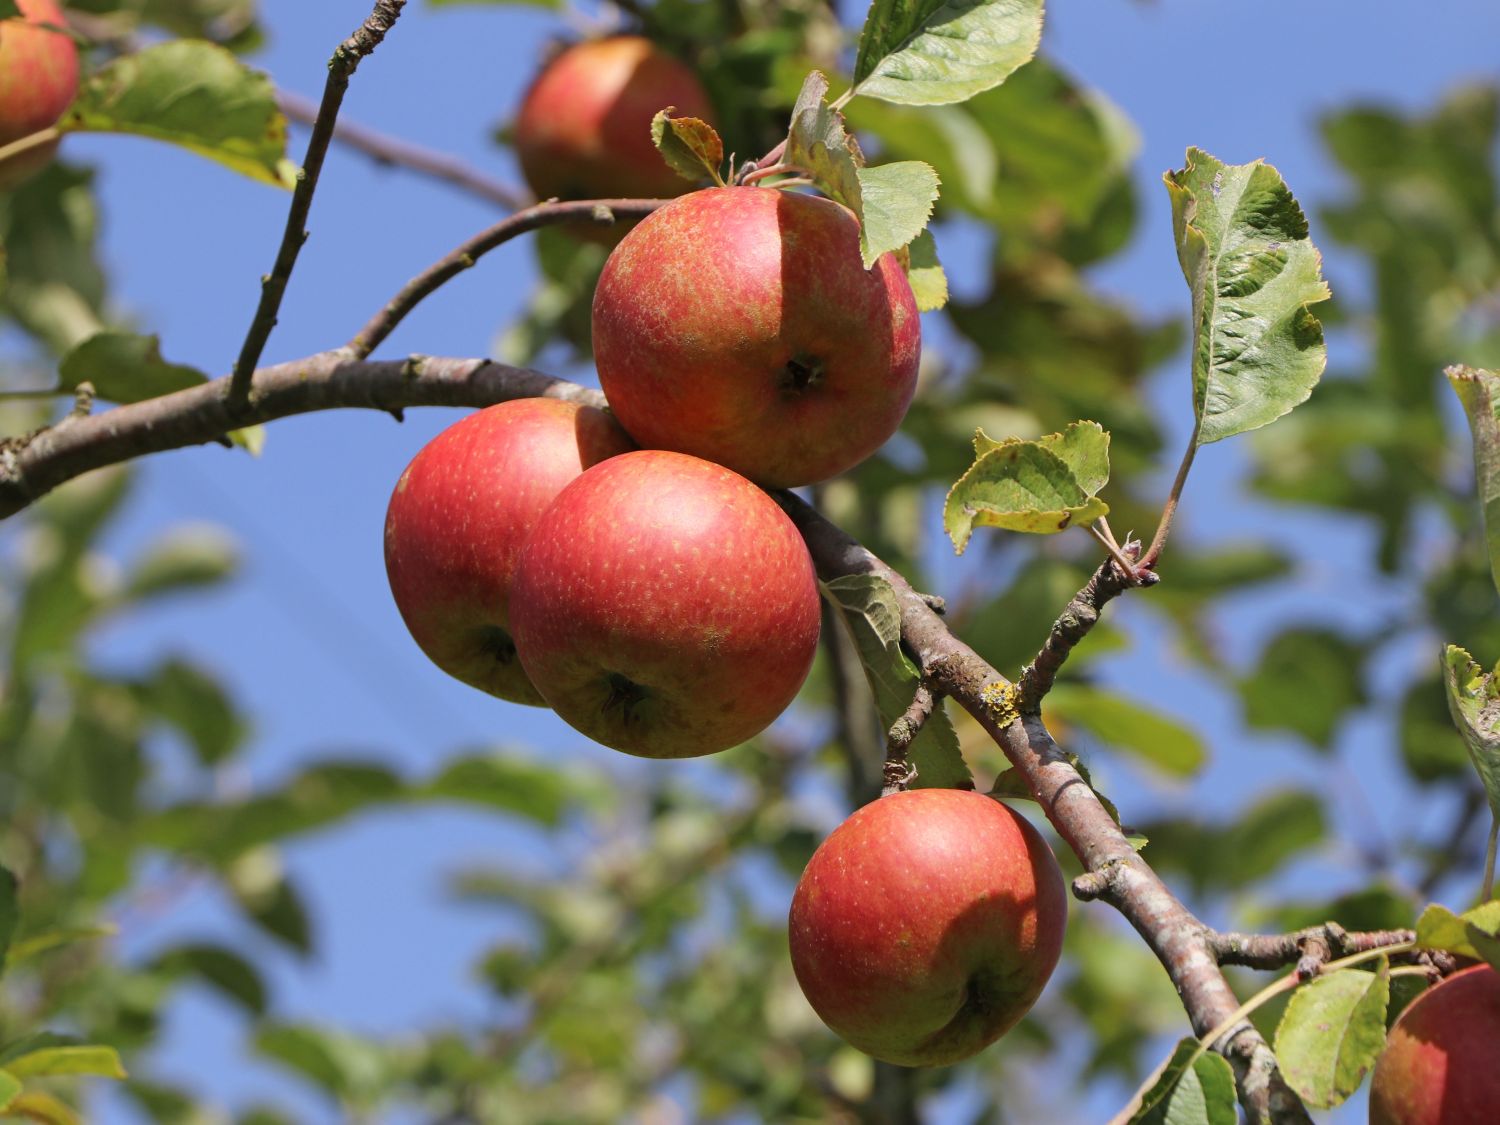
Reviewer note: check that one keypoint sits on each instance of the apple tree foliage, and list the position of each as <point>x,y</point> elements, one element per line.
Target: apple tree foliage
<point>652,960</point>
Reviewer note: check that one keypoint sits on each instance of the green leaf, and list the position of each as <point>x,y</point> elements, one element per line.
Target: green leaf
<point>1124,725</point>
<point>1479,391</point>
<point>1242,241</point>
<point>1475,933</point>
<point>10,1085</point>
<point>53,939</point>
<point>1332,1032</point>
<point>895,203</point>
<point>183,558</point>
<point>929,284</point>
<point>189,699</point>
<point>1307,680</point>
<point>869,608</point>
<point>342,1065</point>
<point>1195,1088</point>
<point>222,969</point>
<point>1041,487</point>
<point>513,784</point>
<point>10,913</point>
<point>45,1055</point>
<point>690,146</point>
<point>932,52</point>
<point>818,142</point>
<point>124,367</point>
<point>53,285</point>
<point>1474,702</point>
<point>193,94</point>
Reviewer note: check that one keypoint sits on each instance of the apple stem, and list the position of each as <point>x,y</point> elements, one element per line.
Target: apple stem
<point>1487,885</point>
<point>759,174</point>
<point>29,142</point>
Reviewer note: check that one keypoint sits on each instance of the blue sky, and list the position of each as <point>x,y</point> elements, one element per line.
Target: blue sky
<point>308,637</point>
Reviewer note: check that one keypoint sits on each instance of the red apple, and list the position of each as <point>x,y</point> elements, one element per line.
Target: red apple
<point>457,520</point>
<point>665,606</point>
<point>1441,1064</point>
<point>584,129</point>
<point>38,79</point>
<point>927,925</point>
<point>740,325</point>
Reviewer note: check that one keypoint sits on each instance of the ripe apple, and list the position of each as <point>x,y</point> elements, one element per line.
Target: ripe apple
<point>38,79</point>
<point>1441,1064</point>
<point>584,128</point>
<point>740,325</point>
<point>457,520</point>
<point>665,606</point>
<point>927,924</point>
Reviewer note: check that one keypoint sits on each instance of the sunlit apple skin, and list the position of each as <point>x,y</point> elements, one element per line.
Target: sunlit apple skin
<point>458,517</point>
<point>927,924</point>
<point>38,80</point>
<point>584,127</point>
<point>1441,1064</point>
<point>665,606</point>
<point>740,325</point>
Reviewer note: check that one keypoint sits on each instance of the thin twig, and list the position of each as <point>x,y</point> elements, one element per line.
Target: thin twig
<point>1487,884</point>
<point>393,151</point>
<point>341,67</point>
<point>28,142</point>
<point>898,773</point>
<point>596,211</point>
<point>1169,510</point>
<point>1075,622</point>
<point>1107,541</point>
<point>1308,949</point>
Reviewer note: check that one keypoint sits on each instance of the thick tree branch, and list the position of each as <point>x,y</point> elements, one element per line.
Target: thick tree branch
<point>596,211</point>
<point>1115,872</point>
<point>394,152</point>
<point>341,67</point>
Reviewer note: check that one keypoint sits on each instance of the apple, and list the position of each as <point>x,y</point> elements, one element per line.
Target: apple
<point>459,515</point>
<point>584,127</point>
<point>740,325</point>
<point>927,924</point>
<point>665,606</point>
<point>38,80</point>
<point>1441,1064</point>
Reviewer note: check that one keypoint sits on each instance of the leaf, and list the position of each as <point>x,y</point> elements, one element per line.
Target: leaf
<point>183,558</point>
<point>40,1106</point>
<point>869,608</point>
<point>892,202</point>
<point>1474,702</point>
<point>53,285</point>
<point>10,1085</point>
<point>193,94</point>
<point>1479,391</point>
<point>53,939</point>
<point>1196,1087</point>
<point>10,913</point>
<point>186,697</point>
<point>895,203</point>
<point>929,284</point>
<point>222,969</point>
<point>44,1055</point>
<point>1306,681</point>
<point>1041,487</point>
<point>342,1065</point>
<point>690,146</point>
<point>1475,933</point>
<point>932,52</point>
<point>1242,241</point>
<point>513,784</point>
<point>124,367</point>
<point>1122,724</point>
<point>1332,1032</point>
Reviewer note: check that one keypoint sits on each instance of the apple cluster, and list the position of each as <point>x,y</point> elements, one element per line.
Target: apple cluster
<point>627,568</point>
